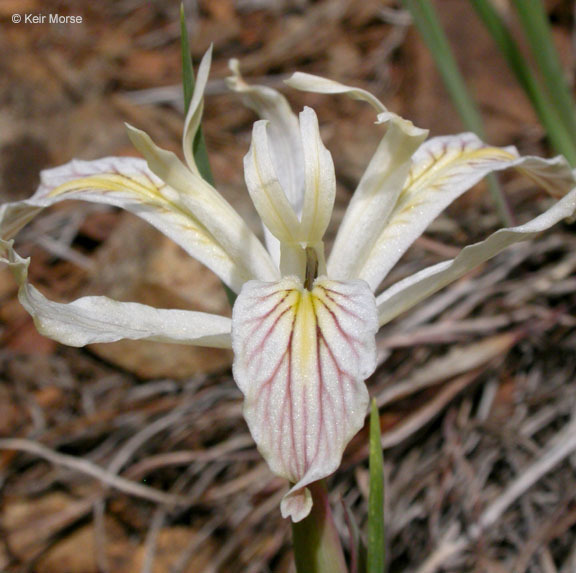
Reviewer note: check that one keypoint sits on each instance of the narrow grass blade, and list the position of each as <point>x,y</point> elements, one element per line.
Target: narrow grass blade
<point>199,145</point>
<point>433,35</point>
<point>431,31</point>
<point>376,536</point>
<point>187,69</point>
<point>555,128</point>
<point>535,25</point>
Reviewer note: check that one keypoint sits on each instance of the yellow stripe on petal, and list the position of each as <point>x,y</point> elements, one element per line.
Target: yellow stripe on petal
<point>443,161</point>
<point>128,183</point>
<point>301,358</point>
<point>442,169</point>
<point>112,183</point>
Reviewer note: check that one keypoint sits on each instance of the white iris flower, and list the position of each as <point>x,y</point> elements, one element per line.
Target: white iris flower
<point>303,326</point>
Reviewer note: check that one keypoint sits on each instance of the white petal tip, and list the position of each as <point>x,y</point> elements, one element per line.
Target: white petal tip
<point>234,66</point>
<point>407,126</point>
<point>236,82</point>
<point>296,504</point>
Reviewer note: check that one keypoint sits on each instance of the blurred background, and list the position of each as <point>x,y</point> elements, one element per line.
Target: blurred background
<point>474,385</point>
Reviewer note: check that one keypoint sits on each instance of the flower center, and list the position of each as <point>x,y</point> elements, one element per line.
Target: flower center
<point>311,268</point>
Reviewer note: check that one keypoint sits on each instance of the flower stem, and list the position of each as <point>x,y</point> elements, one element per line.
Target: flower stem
<point>317,547</point>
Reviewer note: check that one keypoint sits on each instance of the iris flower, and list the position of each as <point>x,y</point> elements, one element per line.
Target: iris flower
<point>303,326</point>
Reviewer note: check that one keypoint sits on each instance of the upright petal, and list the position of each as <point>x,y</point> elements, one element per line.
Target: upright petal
<point>266,190</point>
<point>410,291</point>
<point>285,142</point>
<point>100,319</point>
<point>194,116</point>
<point>320,187</point>
<point>442,170</point>
<point>301,358</point>
<point>199,198</point>
<point>374,198</point>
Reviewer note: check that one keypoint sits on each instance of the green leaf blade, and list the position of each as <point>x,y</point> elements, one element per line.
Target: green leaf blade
<point>555,128</point>
<point>187,68</point>
<point>535,25</point>
<point>430,29</point>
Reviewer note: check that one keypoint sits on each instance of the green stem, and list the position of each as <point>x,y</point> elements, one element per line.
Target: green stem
<point>317,547</point>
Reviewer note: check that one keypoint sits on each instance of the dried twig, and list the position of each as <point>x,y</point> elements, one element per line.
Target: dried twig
<point>557,450</point>
<point>88,468</point>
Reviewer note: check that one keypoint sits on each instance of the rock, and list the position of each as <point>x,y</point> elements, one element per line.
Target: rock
<point>139,264</point>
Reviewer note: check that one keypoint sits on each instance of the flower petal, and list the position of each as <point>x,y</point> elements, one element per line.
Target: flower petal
<point>284,132</point>
<point>198,197</point>
<point>194,116</point>
<point>374,198</point>
<point>320,180</point>
<point>266,190</point>
<point>316,84</point>
<point>100,319</point>
<point>410,291</point>
<point>442,170</point>
<point>555,175</point>
<point>127,182</point>
<point>285,144</point>
<point>301,358</point>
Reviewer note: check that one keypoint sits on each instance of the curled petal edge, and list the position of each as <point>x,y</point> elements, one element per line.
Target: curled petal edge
<point>317,84</point>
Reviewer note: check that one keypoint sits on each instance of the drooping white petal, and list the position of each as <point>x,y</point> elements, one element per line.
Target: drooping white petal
<point>555,175</point>
<point>284,133</point>
<point>100,319</point>
<point>316,84</point>
<point>198,197</point>
<point>301,358</point>
<point>194,115</point>
<point>442,170</point>
<point>266,190</point>
<point>374,198</point>
<point>320,187</point>
<point>127,182</point>
<point>410,291</point>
